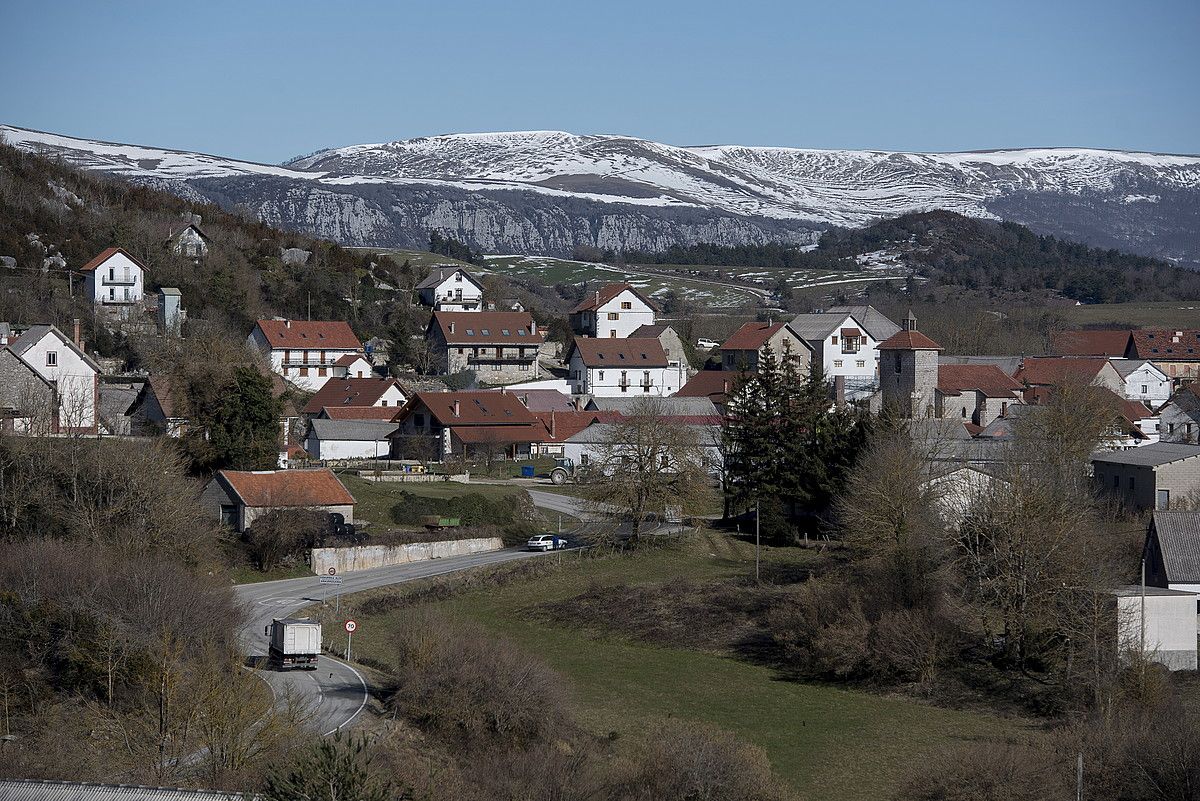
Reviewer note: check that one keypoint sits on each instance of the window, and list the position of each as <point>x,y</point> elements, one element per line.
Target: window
<point>666,462</point>
<point>1145,389</point>
<point>614,316</point>
<point>964,411</point>
<point>470,332</point>
<point>229,515</point>
<point>612,333</point>
<point>112,276</point>
<point>898,363</point>
<point>600,375</point>
<point>460,350</point>
<point>52,358</point>
<point>833,339</point>
<point>1162,500</point>
<point>1004,409</point>
<point>861,363</point>
<point>322,371</point>
<point>383,403</point>
<point>485,332</point>
<point>837,362</point>
<point>304,371</point>
<point>626,305</point>
<point>583,460</point>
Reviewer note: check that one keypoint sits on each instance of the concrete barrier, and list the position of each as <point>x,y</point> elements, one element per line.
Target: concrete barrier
<point>365,557</point>
<point>412,478</point>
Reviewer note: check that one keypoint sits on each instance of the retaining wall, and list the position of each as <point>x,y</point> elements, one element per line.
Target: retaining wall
<point>412,478</point>
<point>364,557</point>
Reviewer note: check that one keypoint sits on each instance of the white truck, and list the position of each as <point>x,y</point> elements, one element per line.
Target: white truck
<point>295,643</point>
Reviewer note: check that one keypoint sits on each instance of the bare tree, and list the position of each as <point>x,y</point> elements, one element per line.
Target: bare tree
<point>646,463</point>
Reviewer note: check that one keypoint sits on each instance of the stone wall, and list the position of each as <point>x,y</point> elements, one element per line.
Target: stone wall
<point>365,557</point>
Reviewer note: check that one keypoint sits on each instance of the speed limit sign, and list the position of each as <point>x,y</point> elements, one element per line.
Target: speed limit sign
<point>351,626</point>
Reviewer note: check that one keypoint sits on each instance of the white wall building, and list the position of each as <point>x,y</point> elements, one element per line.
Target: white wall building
<point>1159,623</point>
<point>305,352</point>
<point>115,280</point>
<point>74,376</point>
<point>843,347</point>
<point>622,368</point>
<point>613,311</point>
<point>451,289</point>
<point>1144,382</point>
<point>332,440</point>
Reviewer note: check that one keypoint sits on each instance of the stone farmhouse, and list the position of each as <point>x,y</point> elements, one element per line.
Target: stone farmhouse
<point>501,347</point>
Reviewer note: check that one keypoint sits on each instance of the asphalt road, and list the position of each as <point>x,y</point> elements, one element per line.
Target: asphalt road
<point>335,692</point>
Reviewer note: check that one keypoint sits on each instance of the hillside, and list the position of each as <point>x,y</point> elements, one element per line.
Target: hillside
<point>546,192</point>
<point>50,210</point>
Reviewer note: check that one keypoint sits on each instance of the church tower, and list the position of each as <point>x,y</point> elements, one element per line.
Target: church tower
<point>908,370</point>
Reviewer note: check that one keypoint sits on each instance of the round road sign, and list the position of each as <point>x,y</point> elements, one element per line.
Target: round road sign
<point>333,571</point>
<point>351,625</point>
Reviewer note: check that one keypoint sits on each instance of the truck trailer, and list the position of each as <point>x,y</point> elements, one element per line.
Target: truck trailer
<point>295,643</point>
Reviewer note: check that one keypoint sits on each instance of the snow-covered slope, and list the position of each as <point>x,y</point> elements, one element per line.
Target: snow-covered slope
<point>548,191</point>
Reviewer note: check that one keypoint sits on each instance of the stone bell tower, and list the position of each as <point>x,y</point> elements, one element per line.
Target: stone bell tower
<point>908,370</point>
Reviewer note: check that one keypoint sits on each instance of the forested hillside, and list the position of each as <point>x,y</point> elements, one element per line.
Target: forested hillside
<point>49,209</point>
<point>951,249</point>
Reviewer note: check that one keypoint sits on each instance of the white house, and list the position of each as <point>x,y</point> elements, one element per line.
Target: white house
<point>115,280</point>
<point>451,289</point>
<point>844,347</point>
<point>190,241</point>
<point>614,311</point>
<point>331,440</point>
<point>305,352</point>
<point>593,445</point>
<point>1144,382</point>
<point>353,365</point>
<point>621,368</point>
<point>74,376</point>
<point>348,393</point>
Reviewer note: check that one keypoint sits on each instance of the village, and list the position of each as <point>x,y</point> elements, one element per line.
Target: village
<point>553,412</point>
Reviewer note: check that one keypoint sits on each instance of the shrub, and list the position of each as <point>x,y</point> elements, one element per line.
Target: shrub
<point>515,513</point>
<point>456,682</point>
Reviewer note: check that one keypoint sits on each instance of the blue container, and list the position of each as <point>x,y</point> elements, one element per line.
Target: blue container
<point>526,471</point>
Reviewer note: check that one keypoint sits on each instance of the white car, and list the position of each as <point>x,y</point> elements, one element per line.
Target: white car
<point>707,344</point>
<point>544,542</point>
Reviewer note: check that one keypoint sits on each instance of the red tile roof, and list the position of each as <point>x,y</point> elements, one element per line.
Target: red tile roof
<point>359,412</point>
<point>290,488</point>
<point>1050,370</point>
<point>309,334</point>
<point>954,379</point>
<point>349,359</point>
<point>1089,343</point>
<point>487,328</point>
<point>544,400</point>
<point>474,435</point>
<point>615,352</point>
<point>560,425</point>
<point>712,384</point>
<point>107,254</point>
<point>751,336</point>
<point>908,340</point>
<point>339,392</point>
<point>475,408</point>
<point>597,298</point>
<point>1166,345</point>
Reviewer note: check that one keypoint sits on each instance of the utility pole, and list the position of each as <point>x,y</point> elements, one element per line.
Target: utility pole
<point>1079,779</point>
<point>757,578</point>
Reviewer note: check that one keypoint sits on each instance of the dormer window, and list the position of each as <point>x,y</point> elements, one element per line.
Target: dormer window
<point>505,332</point>
<point>471,332</point>
<point>485,332</point>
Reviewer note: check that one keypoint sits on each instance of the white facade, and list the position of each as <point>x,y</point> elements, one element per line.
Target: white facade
<point>1145,383</point>
<point>359,367</point>
<point>190,242</point>
<point>592,445</point>
<point>1169,632</point>
<point>855,358</point>
<point>116,281</point>
<point>619,317</point>
<point>308,366</point>
<point>624,382</point>
<point>452,290</point>
<point>53,356</point>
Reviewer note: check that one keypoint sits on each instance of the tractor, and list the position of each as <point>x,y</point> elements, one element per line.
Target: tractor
<point>564,471</point>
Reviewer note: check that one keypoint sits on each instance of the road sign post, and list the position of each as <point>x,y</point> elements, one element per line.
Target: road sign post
<point>350,627</point>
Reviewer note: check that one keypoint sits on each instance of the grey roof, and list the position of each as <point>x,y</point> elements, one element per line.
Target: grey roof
<point>439,274</point>
<point>170,290</point>
<point>1136,590</point>
<point>115,399</point>
<point>1127,366</point>
<point>34,790</point>
<point>649,331</point>
<point>681,407</point>
<point>876,323</point>
<point>818,326</point>
<point>352,430</point>
<point>1008,364</point>
<point>1152,455</point>
<point>34,335</point>
<point>1179,542</point>
<point>544,400</point>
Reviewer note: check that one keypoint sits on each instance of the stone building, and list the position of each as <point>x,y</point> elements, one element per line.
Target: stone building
<point>500,347</point>
<point>908,371</point>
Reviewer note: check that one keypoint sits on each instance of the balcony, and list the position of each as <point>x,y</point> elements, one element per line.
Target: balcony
<point>118,280</point>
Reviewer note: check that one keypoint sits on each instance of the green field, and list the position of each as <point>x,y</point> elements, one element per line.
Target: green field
<point>375,500</point>
<point>1173,314</point>
<point>827,743</point>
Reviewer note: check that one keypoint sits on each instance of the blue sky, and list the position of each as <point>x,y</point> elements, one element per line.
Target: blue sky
<point>270,80</point>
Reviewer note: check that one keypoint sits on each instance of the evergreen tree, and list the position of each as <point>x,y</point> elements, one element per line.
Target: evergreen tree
<point>244,432</point>
<point>333,770</point>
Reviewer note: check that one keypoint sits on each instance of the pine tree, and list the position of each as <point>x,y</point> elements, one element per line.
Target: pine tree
<point>244,434</point>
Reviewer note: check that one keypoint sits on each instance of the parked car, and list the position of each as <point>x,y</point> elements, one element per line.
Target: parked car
<point>544,542</point>
<point>707,344</point>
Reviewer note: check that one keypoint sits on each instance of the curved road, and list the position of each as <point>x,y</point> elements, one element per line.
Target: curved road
<point>335,691</point>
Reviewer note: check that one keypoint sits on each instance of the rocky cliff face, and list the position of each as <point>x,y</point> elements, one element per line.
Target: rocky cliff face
<point>545,192</point>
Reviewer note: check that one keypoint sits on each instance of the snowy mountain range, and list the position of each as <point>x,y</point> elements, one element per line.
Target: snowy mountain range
<point>546,192</point>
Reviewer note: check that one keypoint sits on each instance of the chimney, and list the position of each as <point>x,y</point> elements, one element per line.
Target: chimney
<point>456,408</point>
<point>532,327</point>
<point>725,386</point>
<point>451,328</point>
<point>839,391</point>
<point>597,298</point>
<point>287,323</point>
<point>551,422</point>
<point>76,337</point>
